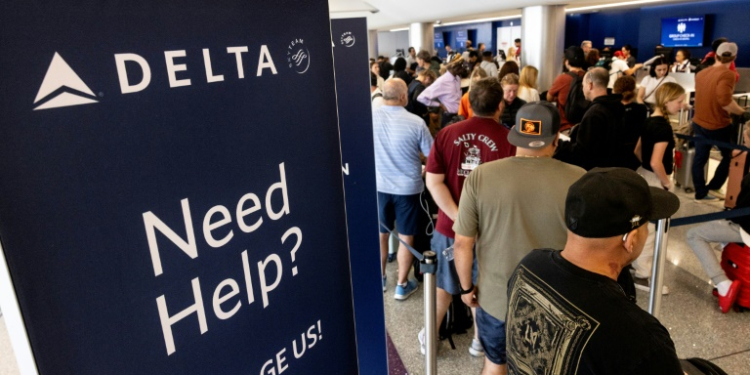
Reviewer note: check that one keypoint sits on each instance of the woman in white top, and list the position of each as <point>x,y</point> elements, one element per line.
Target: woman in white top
<point>658,75</point>
<point>682,62</point>
<point>527,84</point>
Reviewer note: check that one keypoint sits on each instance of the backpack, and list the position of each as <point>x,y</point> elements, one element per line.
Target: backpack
<point>698,366</point>
<point>605,62</point>
<point>709,62</point>
<point>415,88</point>
<point>458,319</point>
<point>577,104</point>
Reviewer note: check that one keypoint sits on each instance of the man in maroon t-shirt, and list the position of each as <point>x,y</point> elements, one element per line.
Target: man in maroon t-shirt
<point>457,150</point>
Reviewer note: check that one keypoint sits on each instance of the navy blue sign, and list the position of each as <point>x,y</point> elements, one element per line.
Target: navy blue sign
<point>358,157</point>
<point>682,32</point>
<point>461,38</point>
<point>171,196</point>
<point>439,42</point>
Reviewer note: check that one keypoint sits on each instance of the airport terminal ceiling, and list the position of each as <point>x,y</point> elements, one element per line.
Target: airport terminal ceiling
<point>388,14</point>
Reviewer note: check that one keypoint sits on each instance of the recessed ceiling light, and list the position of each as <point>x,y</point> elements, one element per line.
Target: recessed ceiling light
<point>482,20</point>
<point>613,5</point>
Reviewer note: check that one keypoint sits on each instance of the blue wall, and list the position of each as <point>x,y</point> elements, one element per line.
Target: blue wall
<point>642,27</point>
<point>621,25</point>
<point>486,33</point>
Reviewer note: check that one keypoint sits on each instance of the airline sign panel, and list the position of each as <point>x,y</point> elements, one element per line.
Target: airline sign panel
<point>171,195</point>
<point>358,156</point>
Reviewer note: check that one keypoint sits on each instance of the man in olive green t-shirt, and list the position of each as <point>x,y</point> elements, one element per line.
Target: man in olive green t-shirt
<point>511,206</point>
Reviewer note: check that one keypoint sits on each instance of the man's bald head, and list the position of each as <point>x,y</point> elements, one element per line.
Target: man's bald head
<point>595,83</point>
<point>395,92</point>
<point>598,76</point>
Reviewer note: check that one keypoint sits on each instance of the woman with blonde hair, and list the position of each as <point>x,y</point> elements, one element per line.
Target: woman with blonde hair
<point>527,84</point>
<point>511,56</point>
<point>654,149</point>
<point>464,109</point>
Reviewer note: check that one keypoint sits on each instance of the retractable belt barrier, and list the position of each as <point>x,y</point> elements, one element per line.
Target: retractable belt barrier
<point>428,266</point>
<point>729,214</point>
<point>712,142</point>
<point>412,250</point>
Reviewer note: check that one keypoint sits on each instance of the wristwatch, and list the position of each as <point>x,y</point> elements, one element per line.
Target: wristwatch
<point>462,291</point>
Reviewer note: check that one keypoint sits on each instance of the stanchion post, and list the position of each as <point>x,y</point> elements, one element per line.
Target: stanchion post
<point>429,265</point>
<point>657,272</point>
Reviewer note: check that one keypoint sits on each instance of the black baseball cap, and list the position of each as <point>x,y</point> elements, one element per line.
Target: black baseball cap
<point>608,202</point>
<point>537,124</point>
<point>575,56</point>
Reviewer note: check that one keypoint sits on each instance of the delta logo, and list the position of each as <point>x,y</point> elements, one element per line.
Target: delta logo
<point>63,87</point>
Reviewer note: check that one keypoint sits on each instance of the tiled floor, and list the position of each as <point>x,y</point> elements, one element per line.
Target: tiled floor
<point>690,313</point>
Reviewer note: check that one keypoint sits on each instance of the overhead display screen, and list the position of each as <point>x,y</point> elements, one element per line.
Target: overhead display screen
<point>683,31</point>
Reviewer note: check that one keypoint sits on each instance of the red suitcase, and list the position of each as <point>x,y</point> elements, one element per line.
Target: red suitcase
<point>735,260</point>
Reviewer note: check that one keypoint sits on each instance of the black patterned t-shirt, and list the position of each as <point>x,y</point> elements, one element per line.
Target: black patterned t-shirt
<point>565,320</point>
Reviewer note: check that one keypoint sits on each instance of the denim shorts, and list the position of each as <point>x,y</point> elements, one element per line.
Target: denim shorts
<point>402,209</point>
<point>492,337</point>
<point>445,278</point>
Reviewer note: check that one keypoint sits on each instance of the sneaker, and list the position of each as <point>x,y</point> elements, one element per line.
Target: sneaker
<point>476,348</point>
<point>706,198</point>
<point>716,193</point>
<point>403,292</point>
<point>391,257</point>
<point>423,342</point>
<point>726,302</point>
<point>644,284</point>
<point>385,278</point>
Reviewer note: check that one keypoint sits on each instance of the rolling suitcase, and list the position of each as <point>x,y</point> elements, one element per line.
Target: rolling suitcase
<point>735,261</point>
<point>683,162</point>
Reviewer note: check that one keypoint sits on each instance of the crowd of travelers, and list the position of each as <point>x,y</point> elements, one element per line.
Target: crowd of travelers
<point>546,195</point>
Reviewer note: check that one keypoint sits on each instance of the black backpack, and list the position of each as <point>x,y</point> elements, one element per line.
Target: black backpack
<point>706,64</point>
<point>577,104</point>
<point>415,88</point>
<point>698,366</point>
<point>605,62</point>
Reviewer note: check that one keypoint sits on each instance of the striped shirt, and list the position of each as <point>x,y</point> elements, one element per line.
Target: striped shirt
<point>399,136</point>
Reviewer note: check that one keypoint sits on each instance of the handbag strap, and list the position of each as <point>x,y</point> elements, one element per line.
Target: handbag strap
<point>654,90</point>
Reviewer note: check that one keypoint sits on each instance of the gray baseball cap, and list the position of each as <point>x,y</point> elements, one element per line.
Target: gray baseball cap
<point>537,124</point>
<point>727,49</point>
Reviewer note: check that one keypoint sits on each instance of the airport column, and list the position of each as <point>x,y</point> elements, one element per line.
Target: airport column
<point>372,39</point>
<point>422,37</point>
<point>543,41</point>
